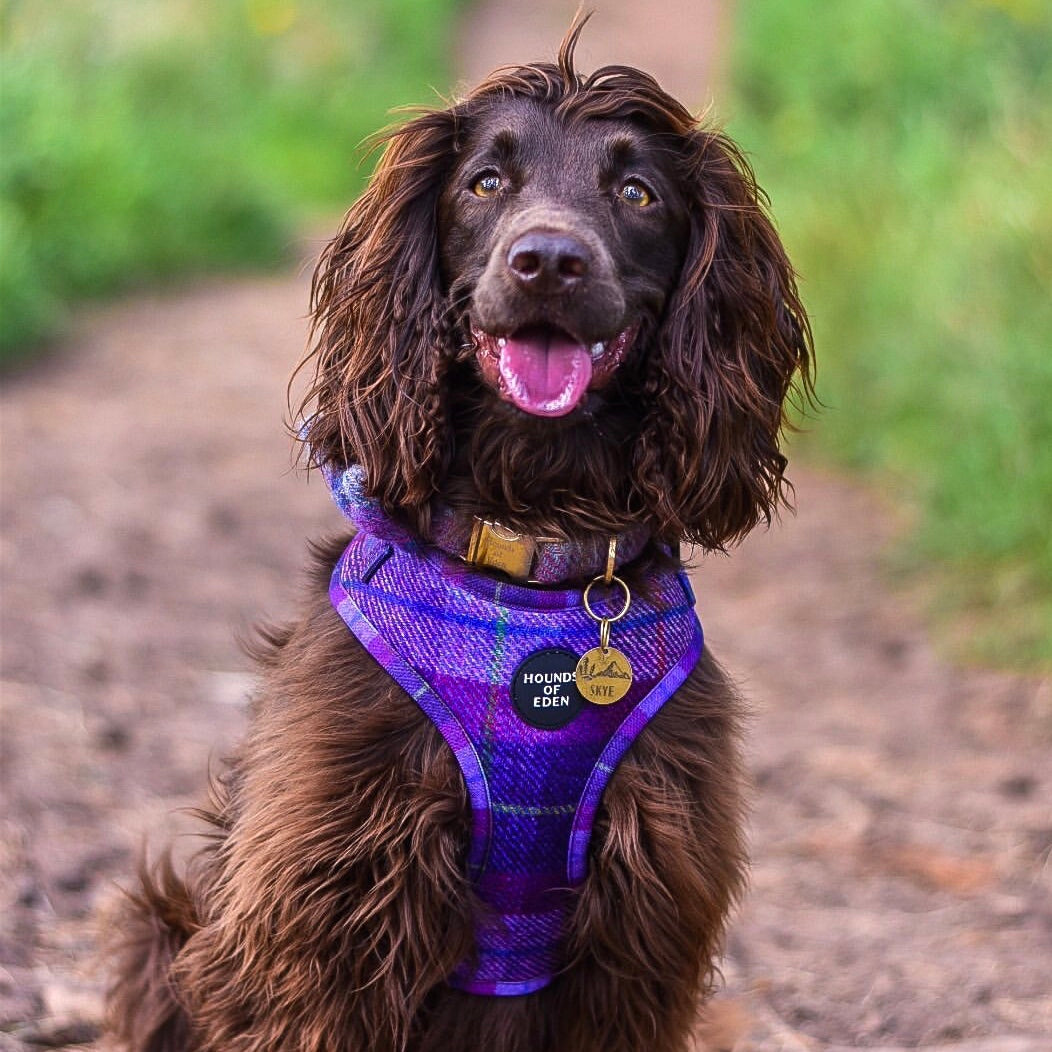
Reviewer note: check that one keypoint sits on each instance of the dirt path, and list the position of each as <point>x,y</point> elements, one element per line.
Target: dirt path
<point>902,827</point>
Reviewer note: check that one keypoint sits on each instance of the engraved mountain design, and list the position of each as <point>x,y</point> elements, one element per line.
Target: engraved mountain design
<point>611,671</point>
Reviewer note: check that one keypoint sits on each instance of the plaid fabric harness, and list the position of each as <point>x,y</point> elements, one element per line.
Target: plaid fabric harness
<point>453,638</point>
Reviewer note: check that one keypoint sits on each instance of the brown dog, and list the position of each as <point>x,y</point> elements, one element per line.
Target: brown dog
<point>559,306</point>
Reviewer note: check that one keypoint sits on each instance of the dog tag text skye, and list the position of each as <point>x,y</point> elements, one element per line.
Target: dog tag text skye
<point>603,675</point>
<point>544,691</point>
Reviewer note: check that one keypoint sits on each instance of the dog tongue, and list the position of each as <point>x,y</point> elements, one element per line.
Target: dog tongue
<point>546,374</point>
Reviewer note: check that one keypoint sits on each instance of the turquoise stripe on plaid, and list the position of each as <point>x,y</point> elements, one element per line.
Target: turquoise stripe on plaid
<point>452,639</point>
<point>499,634</point>
<point>513,809</point>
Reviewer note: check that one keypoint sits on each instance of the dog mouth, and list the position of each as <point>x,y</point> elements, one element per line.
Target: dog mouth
<point>544,370</point>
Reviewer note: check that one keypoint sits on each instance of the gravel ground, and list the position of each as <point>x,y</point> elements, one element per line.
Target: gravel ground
<point>902,824</point>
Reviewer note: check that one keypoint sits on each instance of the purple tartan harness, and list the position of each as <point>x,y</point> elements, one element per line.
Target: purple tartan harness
<point>453,639</point>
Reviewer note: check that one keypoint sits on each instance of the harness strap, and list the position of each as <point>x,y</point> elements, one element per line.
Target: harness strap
<point>456,641</point>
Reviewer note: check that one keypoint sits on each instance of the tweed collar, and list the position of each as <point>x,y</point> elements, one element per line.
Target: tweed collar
<point>486,545</point>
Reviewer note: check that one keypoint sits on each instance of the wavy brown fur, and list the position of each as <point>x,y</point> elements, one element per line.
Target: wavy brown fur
<point>332,903</point>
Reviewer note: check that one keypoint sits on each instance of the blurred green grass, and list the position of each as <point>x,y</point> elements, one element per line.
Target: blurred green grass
<point>907,147</point>
<point>140,139</point>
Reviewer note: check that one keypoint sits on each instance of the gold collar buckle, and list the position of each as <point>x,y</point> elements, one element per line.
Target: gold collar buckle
<point>495,547</point>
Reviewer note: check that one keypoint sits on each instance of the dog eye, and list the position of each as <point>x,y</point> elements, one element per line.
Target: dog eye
<point>635,193</point>
<point>487,185</point>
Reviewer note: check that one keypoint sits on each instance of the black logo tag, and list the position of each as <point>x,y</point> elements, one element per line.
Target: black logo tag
<point>544,690</point>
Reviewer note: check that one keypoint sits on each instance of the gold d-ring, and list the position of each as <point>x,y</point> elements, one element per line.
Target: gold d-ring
<point>621,613</point>
<point>611,560</point>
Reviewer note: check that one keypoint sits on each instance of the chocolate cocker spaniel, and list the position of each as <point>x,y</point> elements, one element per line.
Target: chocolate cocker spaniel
<point>491,796</point>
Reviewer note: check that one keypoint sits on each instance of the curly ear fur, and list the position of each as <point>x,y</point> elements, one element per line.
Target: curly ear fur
<point>378,326</point>
<point>735,334</point>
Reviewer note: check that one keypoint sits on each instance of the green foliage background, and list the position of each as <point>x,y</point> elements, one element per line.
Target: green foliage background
<point>143,138</point>
<point>907,146</point>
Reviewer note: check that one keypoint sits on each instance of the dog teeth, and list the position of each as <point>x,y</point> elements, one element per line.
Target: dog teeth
<point>501,341</point>
<point>597,349</point>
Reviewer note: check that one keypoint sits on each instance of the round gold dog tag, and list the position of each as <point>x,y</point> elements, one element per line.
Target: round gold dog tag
<point>603,675</point>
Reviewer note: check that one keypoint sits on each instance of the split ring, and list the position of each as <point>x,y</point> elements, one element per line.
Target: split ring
<point>615,617</point>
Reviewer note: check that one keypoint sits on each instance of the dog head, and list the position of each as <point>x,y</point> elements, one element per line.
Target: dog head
<point>563,234</point>
<point>560,302</point>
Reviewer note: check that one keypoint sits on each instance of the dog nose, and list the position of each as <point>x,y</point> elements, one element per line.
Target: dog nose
<point>546,261</point>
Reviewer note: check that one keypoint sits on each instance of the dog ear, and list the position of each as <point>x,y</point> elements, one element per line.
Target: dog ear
<point>734,337</point>
<point>378,340</point>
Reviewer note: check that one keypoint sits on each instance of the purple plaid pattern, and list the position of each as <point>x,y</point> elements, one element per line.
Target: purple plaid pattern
<point>452,638</point>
